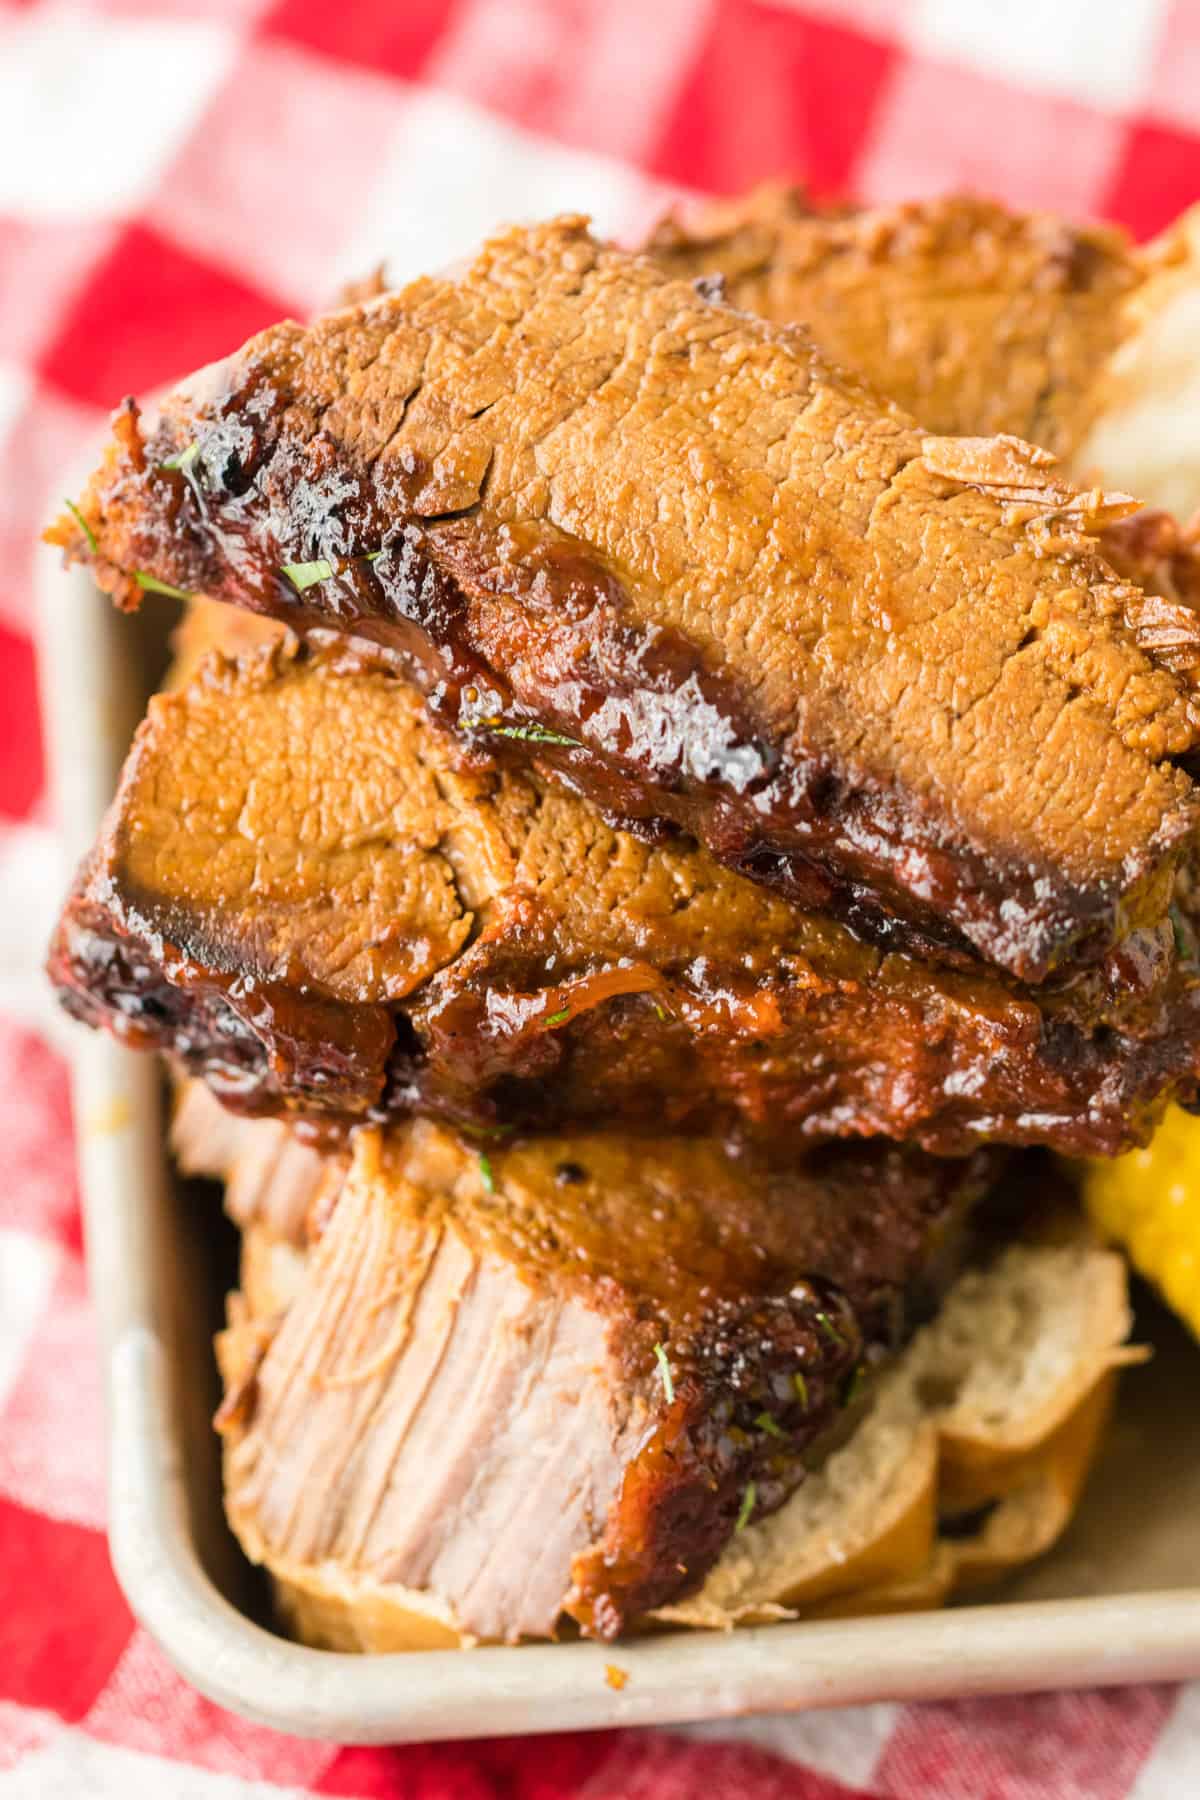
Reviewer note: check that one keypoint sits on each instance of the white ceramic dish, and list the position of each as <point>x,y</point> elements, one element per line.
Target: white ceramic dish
<point>1119,1599</point>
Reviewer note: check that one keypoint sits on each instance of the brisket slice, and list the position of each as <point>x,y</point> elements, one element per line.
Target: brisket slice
<point>272,1178</point>
<point>579,500</point>
<point>973,318</point>
<point>554,1378</point>
<point>1153,550</point>
<point>305,895</point>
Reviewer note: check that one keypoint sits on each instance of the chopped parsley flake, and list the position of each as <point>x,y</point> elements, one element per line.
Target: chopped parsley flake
<point>854,1386</point>
<point>801,1387</point>
<point>306,575</point>
<point>659,1013</point>
<point>83,525</point>
<point>766,1423</point>
<point>749,1500</point>
<point>1179,929</point>
<point>664,1370</point>
<point>532,734</point>
<point>150,584</point>
<point>485,1173</point>
<point>183,459</point>
<point>829,1328</point>
<point>558,1017</point>
<point>486,1131</point>
<point>373,556</point>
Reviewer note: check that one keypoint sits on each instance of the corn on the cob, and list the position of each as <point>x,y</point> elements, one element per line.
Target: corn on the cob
<point>1148,1202</point>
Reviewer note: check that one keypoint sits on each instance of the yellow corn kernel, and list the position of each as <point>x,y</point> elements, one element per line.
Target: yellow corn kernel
<point>1148,1202</point>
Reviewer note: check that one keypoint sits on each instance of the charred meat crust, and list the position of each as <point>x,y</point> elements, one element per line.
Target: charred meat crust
<point>732,1442</point>
<point>541,489</point>
<point>738,1305</point>
<point>263,1046</point>
<point>478,946</point>
<point>737,1417</point>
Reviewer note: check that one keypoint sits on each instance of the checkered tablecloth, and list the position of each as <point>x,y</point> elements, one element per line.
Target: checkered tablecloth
<point>175,175</point>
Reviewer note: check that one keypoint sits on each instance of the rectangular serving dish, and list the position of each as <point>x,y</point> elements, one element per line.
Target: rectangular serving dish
<point>1118,1600</point>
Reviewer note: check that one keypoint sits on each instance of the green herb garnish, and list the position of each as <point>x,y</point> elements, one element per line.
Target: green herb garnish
<point>558,1017</point>
<point>659,1013</point>
<point>83,525</point>
<point>829,1328</point>
<point>801,1387</point>
<point>373,555</point>
<point>486,1131</point>
<point>150,584</point>
<point>766,1423</point>
<point>664,1370</point>
<point>1179,929</point>
<point>485,1173</point>
<point>183,459</point>
<point>749,1499</point>
<point>533,734</point>
<point>855,1384</point>
<point>305,575</point>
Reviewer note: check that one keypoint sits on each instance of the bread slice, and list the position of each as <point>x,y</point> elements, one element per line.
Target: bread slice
<point>997,1407</point>
<point>994,1412</point>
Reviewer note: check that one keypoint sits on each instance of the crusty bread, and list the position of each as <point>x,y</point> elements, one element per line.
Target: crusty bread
<point>995,1409</point>
<point>1000,1400</point>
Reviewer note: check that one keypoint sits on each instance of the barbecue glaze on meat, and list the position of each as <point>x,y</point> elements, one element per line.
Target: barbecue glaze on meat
<point>974,319</point>
<point>307,895</point>
<point>886,672</point>
<point>546,1380</point>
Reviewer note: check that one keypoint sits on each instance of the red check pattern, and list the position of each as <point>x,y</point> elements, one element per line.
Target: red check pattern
<point>174,175</point>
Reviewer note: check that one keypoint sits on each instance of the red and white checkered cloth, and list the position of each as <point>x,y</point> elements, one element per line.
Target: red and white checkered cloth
<point>172,177</point>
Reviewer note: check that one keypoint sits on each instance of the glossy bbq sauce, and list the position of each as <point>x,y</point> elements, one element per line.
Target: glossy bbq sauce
<point>521,638</point>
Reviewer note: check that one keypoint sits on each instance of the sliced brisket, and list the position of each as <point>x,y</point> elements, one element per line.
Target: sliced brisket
<point>975,319</point>
<point>273,1179</point>
<point>556,1377</point>
<point>306,894</point>
<point>612,525</point>
<point>972,318</point>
